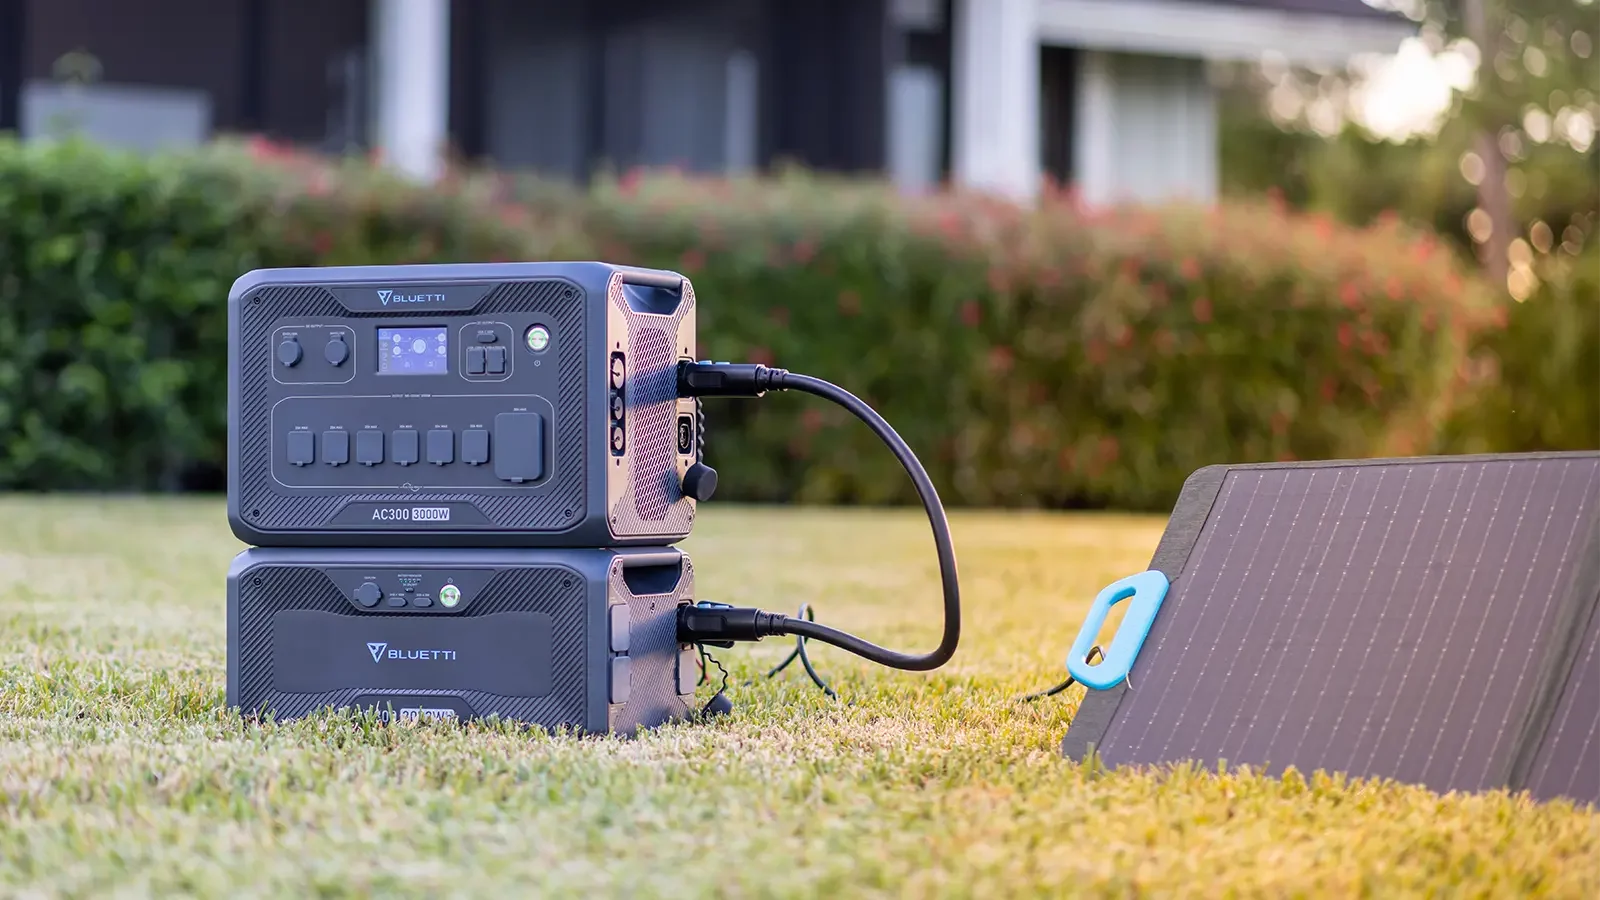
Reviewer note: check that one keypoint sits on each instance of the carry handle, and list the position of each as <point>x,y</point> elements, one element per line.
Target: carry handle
<point>652,293</point>
<point>631,558</point>
<point>651,573</point>
<point>668,281</point>
<point>1145,591</point>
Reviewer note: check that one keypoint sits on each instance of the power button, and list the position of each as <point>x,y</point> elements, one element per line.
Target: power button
<point>449,596</point>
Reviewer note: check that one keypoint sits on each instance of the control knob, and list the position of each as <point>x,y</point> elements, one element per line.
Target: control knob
<point>700,482</point>
<point>368,594</point>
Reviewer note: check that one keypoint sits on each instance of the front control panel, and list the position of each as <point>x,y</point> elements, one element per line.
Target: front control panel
<point>410,590</point>
<point>419,406</point>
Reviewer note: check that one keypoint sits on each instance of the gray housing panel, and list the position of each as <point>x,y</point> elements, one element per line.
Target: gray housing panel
<point>570,508</point>
<point>577,590</point>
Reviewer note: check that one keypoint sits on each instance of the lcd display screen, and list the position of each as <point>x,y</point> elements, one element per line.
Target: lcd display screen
<point>413,351</point>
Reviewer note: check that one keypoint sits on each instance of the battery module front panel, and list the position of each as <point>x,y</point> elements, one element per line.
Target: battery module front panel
<point>556,638</point>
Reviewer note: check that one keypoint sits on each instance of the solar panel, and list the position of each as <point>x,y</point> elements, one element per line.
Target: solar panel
<point>1415,619</point>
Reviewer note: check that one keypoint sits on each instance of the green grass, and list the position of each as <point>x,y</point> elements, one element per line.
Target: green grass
<point>121,773</point>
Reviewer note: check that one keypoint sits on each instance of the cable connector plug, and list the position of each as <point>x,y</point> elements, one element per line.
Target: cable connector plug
<point>723,379</point>
<point>720,625</point>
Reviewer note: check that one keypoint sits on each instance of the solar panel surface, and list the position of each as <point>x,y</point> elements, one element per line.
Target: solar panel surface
<point>1387,618</point>
<point>1568,763</point>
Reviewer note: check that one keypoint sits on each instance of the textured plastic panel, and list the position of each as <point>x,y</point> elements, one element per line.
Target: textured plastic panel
<point>558,592</point>
<point>646,492</point>
<point>653,647</point>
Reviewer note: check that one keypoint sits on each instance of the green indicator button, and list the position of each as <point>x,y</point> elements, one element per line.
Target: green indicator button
<point>538,338</point>
<point>449,595</point>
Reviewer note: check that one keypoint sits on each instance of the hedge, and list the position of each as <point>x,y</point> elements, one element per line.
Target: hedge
<point>114,276</point>
<point>1058,357</point>
<point>1543,389</point>
<point>1055,357</point>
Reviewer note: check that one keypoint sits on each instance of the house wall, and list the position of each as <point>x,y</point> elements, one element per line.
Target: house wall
<point>569,88</point>
<point>707,86</point>
<point>1145,129</point>
<point>178,71</point>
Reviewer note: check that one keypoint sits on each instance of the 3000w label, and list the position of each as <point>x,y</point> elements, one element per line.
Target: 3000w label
<point>411,514</point>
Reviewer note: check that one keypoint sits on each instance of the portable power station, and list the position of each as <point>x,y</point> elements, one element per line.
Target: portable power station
<point>481,405</point>
<point>584,639</point>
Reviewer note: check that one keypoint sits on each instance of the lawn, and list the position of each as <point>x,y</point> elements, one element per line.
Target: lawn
<point>121,773</point>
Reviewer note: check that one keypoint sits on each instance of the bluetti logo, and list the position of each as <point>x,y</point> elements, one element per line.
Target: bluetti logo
<point>380,651</point>
<point>388,297</point>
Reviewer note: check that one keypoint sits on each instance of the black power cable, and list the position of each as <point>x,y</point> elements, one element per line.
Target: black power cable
<point>723,625</point>
<point>1051,692</point>
<point>799,652</point>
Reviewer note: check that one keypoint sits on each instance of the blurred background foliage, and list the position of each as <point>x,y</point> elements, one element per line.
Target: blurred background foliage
<point>1508,174</point>
<point>1358,292</point>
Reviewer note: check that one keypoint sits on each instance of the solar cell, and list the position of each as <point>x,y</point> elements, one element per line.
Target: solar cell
<point>1386,618</point>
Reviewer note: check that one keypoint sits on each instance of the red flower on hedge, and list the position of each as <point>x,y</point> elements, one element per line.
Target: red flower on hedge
<point>950,225</point>
<point>692,260</point>
<point>1189,268</point>
<point>971,314</point>
<point>1202,309</point>
<point>779,315</point>
<point>760,356</point>
<point>1350,294</point>
<point>1000,359</point>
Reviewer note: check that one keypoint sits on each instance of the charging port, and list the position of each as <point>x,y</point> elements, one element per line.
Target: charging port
<point>686,434</point>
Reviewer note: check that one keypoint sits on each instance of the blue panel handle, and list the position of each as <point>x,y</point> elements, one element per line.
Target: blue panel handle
<point>1147,589</point>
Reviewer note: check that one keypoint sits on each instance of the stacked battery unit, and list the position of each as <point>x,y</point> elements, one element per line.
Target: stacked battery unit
<point>462,486</point>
